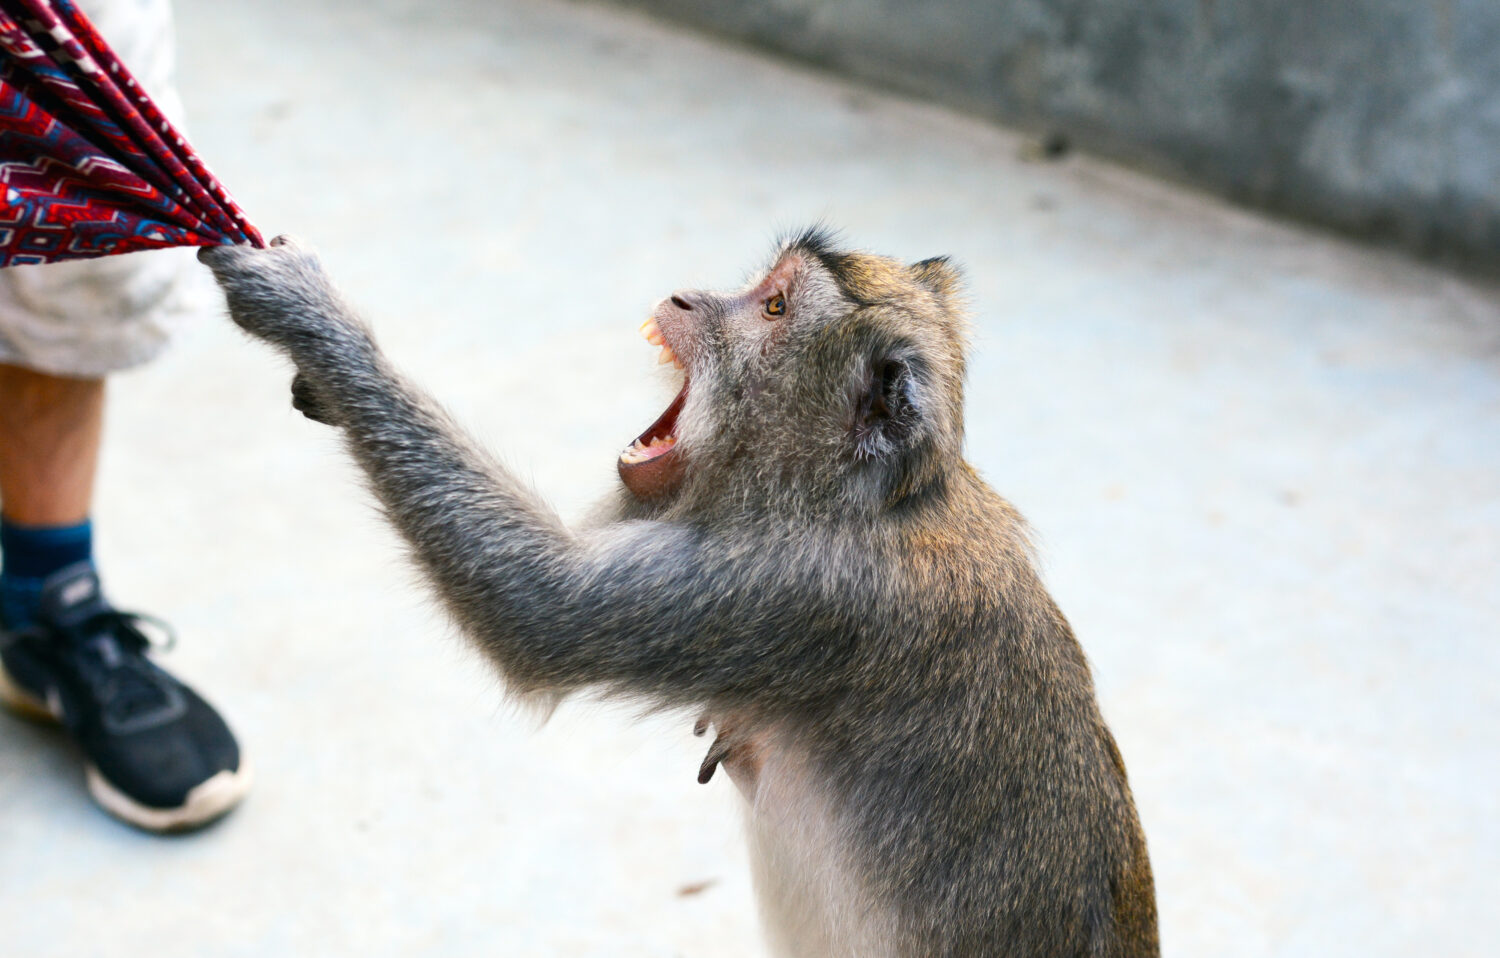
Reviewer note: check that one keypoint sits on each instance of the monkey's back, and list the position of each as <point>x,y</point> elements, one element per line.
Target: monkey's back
<point>983,792</point>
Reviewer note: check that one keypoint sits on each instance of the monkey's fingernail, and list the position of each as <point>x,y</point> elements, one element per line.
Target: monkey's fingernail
<point>667,356</point>
<point>652,332</point>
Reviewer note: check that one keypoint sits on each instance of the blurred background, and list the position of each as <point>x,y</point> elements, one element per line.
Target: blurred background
<point>1261,452</point>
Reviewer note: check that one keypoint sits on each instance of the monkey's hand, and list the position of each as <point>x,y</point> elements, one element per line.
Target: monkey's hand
<point>282,295</point>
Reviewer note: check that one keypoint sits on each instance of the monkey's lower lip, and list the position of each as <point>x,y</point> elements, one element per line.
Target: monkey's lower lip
<point>650,466</point>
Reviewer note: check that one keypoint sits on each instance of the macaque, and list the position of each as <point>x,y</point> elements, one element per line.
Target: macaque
<point>799,553</point>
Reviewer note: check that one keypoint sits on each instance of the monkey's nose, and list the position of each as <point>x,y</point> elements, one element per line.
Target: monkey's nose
<point>683,300</point>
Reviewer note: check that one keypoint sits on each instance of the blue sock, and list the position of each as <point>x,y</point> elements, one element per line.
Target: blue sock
<point>28,555</point>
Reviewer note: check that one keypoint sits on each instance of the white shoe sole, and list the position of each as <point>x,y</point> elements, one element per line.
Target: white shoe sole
<point>206,802</point>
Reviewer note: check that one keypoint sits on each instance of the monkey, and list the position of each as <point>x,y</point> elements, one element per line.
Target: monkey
<point>798,552</point>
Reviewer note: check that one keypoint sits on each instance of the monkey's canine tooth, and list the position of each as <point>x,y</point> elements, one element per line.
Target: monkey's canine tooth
<point>652,332</point>
<point>667,356</point>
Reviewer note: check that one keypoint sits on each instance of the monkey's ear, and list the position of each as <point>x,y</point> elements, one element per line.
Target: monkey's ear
<point>937,274</point>
<point>888,407</point>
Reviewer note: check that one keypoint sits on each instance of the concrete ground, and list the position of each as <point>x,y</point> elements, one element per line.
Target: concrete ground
<point>1264,467</point>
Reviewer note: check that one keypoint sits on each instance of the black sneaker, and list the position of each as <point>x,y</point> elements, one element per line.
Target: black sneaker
<point>158,756</point>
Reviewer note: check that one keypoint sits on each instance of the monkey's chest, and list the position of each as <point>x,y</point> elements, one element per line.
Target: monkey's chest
<point>811,899</point>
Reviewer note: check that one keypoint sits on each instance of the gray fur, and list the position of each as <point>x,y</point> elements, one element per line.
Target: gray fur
<point>828,564</point>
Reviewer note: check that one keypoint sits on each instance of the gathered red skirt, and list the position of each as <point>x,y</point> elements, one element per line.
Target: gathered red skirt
<point>88,164</point>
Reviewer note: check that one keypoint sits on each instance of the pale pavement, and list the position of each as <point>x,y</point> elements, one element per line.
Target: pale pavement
<point>1263,466</point>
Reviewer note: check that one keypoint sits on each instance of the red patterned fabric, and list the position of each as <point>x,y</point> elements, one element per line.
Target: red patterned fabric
<point>88,164</point>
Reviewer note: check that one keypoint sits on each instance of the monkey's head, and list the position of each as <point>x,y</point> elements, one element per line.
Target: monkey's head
<point>831,375</point>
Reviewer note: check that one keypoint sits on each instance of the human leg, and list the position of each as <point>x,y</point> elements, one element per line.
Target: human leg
<point>158,755</point>
<point>50,427</point>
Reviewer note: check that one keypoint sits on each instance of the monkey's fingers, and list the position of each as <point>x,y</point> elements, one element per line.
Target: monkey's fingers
<point>228,255</point>
<point>218,257</point>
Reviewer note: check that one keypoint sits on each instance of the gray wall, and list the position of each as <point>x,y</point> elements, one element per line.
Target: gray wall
<point>1378,117</point>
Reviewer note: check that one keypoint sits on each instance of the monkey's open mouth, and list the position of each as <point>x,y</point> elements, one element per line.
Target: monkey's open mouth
<point>650,466</point>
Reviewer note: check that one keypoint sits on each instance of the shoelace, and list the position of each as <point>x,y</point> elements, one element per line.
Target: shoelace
<point>110,655</point>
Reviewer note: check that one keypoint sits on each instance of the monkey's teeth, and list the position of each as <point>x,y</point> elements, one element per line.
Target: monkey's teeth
<point>652,332</point>
<point>667,356</point>
<point>657,446</point>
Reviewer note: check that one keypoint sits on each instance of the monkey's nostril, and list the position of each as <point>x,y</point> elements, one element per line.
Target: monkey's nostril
<point>681,303</point>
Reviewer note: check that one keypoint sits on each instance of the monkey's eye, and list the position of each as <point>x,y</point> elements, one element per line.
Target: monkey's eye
<point>776,305</point>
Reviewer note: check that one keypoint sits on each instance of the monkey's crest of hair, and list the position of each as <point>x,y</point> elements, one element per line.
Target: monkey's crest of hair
<point>852,397</point>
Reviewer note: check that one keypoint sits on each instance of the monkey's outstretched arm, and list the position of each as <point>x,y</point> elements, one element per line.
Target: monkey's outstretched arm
<point>653,608</point>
